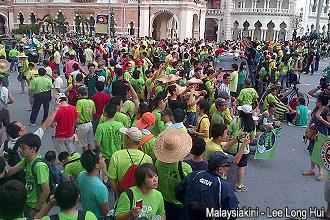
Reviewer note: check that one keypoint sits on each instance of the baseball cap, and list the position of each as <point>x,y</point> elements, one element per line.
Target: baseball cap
<point>220,101</point>
<point>101,78</point>
<point>245,108</point>
<point>223,95</point>
<point>219,159</point>
<point>61,96</point>
<point>134,133</point>
<point>146,120</point>
<point>166,111</point>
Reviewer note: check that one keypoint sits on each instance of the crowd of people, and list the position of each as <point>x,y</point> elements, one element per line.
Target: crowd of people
<point>157,124</point>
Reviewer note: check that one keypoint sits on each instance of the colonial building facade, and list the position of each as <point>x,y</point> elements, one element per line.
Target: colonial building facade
<point>212,19</point>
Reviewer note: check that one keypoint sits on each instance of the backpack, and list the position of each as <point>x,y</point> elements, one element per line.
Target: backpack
<point>13,159</point>
<point>81,216</point>
<point>129,177</point>
<point>51,181</point>
<point>73,95</point>
<point>201,194</point>
<point>144,140</point>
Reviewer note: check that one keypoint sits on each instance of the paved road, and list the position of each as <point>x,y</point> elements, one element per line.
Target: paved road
<point>276,183</point>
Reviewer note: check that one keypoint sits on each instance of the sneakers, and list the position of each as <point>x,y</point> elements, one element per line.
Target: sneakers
<point>241,188</point>
<point>290,124</point>
<point>32,125</point>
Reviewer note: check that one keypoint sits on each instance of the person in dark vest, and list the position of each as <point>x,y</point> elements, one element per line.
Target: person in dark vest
<point>204,192</point>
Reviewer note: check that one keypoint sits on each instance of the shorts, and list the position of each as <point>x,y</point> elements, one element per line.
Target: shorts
<point>4,117</point>
<point>85,135</point>
<point>243,161</point>
<point>327,191</point>
<point>64,144</point>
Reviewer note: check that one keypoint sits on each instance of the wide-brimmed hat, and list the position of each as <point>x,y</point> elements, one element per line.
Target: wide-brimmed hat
<point>169,78</point>
<point>4,65</point>
<point>22,55</point>
<point>172,145</point>
<point>194,81</point>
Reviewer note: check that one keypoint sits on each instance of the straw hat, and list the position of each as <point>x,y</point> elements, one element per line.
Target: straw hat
<point>172,145</point>
<point>4,65</point>
<point>194,81</point>
<point>169,78</point>
<point>22,55</point>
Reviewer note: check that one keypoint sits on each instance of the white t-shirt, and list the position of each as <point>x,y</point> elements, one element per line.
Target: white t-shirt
<point>4,94</point>
<point>11,143</point>
<point>58,84</point>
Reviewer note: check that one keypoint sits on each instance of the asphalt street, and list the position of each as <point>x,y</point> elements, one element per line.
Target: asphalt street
<point>273,184</point>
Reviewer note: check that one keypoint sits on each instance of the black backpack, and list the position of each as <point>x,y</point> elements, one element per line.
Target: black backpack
<point>13,159</point>
<point>81,216</point>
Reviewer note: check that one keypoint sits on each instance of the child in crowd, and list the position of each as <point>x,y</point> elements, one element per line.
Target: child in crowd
<point>301,117</point>
<point>57,176</point>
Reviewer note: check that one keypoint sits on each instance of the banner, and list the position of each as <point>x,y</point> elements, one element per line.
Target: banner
<point>321,151</point>
<point>102,25</point>
<point>266,145</point>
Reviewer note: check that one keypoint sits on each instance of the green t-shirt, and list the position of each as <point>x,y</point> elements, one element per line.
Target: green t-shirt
<point>303,117</point>
<point>41,84</point>
<point>235,129</point>
<point>218,118</point>
<point>138,85</point>
<point>212,147</point>
<point>159,124</point>
<point>234,81</point>
<point>123,118</point>
<point>247,96</point>
<point>111,140</point>
<point>129,109</point>
<point>89,216</point>
<point>13,53</point>
<point>149,146</point>
<point>86,109</point>
<point>32,183</point>
<point>270,99</point>
<point>169,177</point>
<point>74,168</point>
<point>241,77</point>
<point>153,203</point>
<point>121,161</point>
<point>210,85</point>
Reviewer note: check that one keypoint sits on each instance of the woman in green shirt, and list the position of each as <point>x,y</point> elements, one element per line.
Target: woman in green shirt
<point>142,200</point>
<point>244,123</point>
<point>242,74</point>
<point>156,106</point>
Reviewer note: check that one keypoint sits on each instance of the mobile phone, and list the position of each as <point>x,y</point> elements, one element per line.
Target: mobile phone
<point>139,204</point>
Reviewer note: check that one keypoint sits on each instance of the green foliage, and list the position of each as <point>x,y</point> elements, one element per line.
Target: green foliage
<point>27,29</point>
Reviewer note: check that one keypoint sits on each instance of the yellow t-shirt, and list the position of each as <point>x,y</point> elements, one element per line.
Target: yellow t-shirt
<point>203,124</point>
<point>212,147</point>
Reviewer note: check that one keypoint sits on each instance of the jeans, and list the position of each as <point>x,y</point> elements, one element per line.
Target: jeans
<point>284,80</point>
<point>44,99</point>
<point>311,66</point>
<point>13,64</point>
<point>317,63</point>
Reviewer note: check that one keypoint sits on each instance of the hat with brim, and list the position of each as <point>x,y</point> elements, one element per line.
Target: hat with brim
<point>4,66</point>
<point>245,108</point>
<point>172,145</point>
<point>22,55</point>
<point>194,81</point>
<point>219,159</point>
<point>134,133</point>
<point>169,78</point>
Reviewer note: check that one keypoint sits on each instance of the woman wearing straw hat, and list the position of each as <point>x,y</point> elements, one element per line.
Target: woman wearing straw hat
<point>172,146</point>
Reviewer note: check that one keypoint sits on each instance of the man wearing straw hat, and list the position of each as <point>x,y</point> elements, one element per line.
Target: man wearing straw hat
<point>172,146</point>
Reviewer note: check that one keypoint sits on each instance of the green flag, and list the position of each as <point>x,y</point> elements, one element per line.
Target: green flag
<point>266,145</point>
<point>321,151</point>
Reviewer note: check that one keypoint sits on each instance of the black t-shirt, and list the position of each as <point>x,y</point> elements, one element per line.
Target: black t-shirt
<point>197,166</point>
<point>119,89</point>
